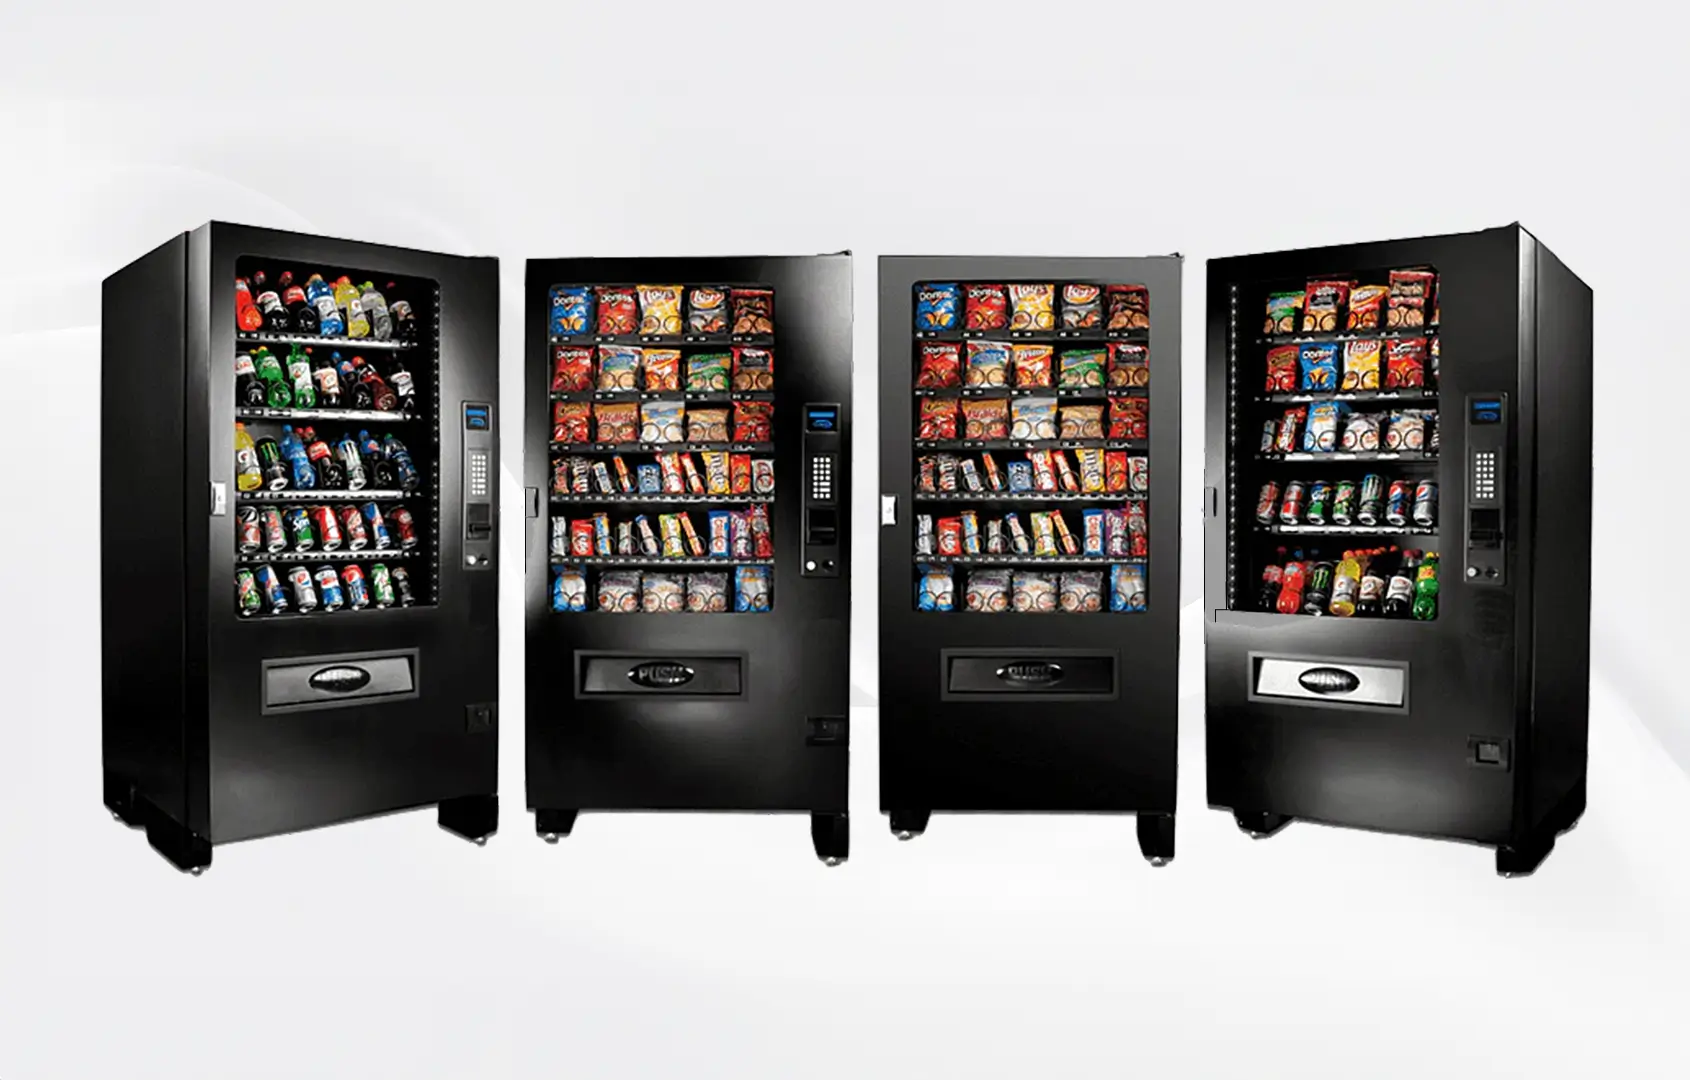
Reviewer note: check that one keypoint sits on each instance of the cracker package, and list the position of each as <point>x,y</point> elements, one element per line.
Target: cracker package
<point>663,592</point>
<point>1082,307</point>
<point>1410,296</point>
<point>937,305</point>
<point>707,425</point>
<point>572,310</point>
<point>1361,432</point>
<point>662,369</point>
<point>941,365</point>
<point>1129,364</point>
<point>619,367</point>
<point>985,418</point>
<point>1406,430</point>
<point>754,368</point>
<point>1032,307</point>
<point>988,591</point>
<point>1128,307</point>
<point>1081,369</point>
<point>1034,591</point>
<point>662,421</point>
<point>753,311</point>
<point>619,590</point>
<point>1081,422</point>
<point>707,592</point>
<point>660,310</point>
<point>1081,591</point>
<point>707,310</point>
<point>987,308</point>
<point>572,422</point>
<point>707,373</point>
<point>1282,311</point>
<point>572,369</point>
<point>618,310</point>
<point>1361,365</point>
<point>617,423</point>
<point>988,364</point>
<point>1367,305</point>
<point>1031,363</point>
<point>1322,302</point>
<point>1033,418</point>
<point>754,421</point>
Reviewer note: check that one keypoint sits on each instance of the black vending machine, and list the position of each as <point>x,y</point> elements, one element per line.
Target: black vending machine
<point>1397,550</point>
<point>1029,512</point>
<point>688,543</point>
<point>299,613</point>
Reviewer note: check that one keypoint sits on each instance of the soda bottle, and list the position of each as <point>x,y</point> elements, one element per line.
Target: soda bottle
<point>277,393</point>
<point>249,389</point>
<point>303,476</point>
<point>302,315</point>
<point>1318,592</point>
<point>1291,587</point>
<point>299,374</point>
<point>328,381</point>
<point>404,386</point>
<point>351,308</point>
<point>1426,587</point>
<point>409,480</point>
<point>247,315</point>
<point>351,462</point>
<point>249,475</point>
<point>1370,594</point>
<point>1273,576</point>
<point>1399,591</point>
<point>329,473</point>
<point>270,460</point>
<point>360,395</point>
<point>380,392</point>
<point>269,304</point>
<point>375,309</point>
<point>320,296</point>
<point>404,323</point>
<point>1346,585</point>
<point>381,470</point>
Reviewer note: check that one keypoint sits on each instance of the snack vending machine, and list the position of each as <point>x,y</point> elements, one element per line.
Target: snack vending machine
<point>1397,550</point>
<point>299,609</point>
<point>688,547</point>
<point>1029,512</point>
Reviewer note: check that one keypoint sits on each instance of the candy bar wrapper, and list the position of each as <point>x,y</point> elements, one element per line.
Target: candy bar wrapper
<point>580,475</point>
<point>649,546</point>
<point>924,534</point>
<point>651,479</point>
<point>623,479</point>
<point>1082,307</point>
<point>948,469</point>
<point>1325,417</point>
<point>1366,304</point>
<point>1081,422</point>
<point>707,593</point>
<point>1044,476</point>
<point>1138,475</point>
<point>1283,308</point>
<point>1116,541</point>
<point>1115,470</point>
<point>1018,541</point>
<point>1138,530</point>
<point>1032,363</point>
<point>665,593</point>
<point>941,365</point>
<point>1081,369</point>
<point>1034,591</point>
<point>1321,303</point>
<point>619,367</point>
<point>1063,536</point>
<point>581,541</point>
<point>1020,476</point>
<point>753,588</point>
<point>662,369</point>
<point>985,418</point>
<point>937,306</point>
<point>934,590</point>
<point>753,311</point>
<point>618,310</point>
<point>669,529</point>
<point>1410,299</point>
<point>1126,588</point>
<point>1032,307</point>
<point>1432,426</point>
<point>926,473</point>
<point>663,421</point>
<point>1129,365</point>
<point>1270,432</point>
<point>660,309</point>
<point>617,423</point>
<point>739,472</point>
<point>950,536</point>
<point>707,425</point>
<point>1319,361</point>
<point>986,307</point>
<point>754,368</point>
<point>673,482</point>
<point>744,544</point>
<point>1033,418</point>
<point>1092,474</point>
<point>1282,369</point>
<point>1361,365</point>
<point>695,479</point>
<point>1432,360</point>
<point>560,477</point>
<point>716,472</point>
<point>1082,591</point>
<point>1064,474</point>
<point>572,422</point>
<point>762,540</point>
<point>707,311</point>
<point>572,309</point>
<point>569,589</point>
<point>721,534</point>
<point>970,533</point>
<point>938,418</point>
<point>572,369</point>
<point>694,544</point>
<point>601,476</point>
<point>970,475</point>
<point>1092,522</point>
<point>994,479</point>
<point>754,421</point>
<point>995,544</point>
<point>619,590</point>
<point>1128,307</point>
<point>763,476</point>
<point>988,364</point>
<point>707,373</point>
<point>1290,425</point>
<point>601,534</point>
<point>625,538</point>
<point>988,591</point>
<point>1044,534</point>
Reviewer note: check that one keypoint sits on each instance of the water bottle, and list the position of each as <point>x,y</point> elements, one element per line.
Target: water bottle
<point>375,309</point>
<point>299,463</point>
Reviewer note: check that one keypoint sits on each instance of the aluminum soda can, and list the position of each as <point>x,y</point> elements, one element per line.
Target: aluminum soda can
<point>275,533</point>
<point>357,589</point>
<point>1320,495</point>
<point>1344,502</point>
<point>352,524</point>
<point>378,527</point>
<point>1370,501</point>
<point>352,460</point>
<point>300,533</point>
<point>328,527</point>
<point>381,585</point>
<point>304,593</point>
<point>1291,506</point>
<point>404,526</point>
<point>248,599</point>
<point>1267,503</point>
<point>270,584</point>
<point>249,534</point>
<point>402,586</point>
<point>1397,503</point>
<point>328,585</point>
<point>1426,503</point>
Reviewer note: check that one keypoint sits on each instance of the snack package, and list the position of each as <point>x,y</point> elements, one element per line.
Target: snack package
<point>650,479</point>
<point>662,369</point>
<point>988,591</point>
<point>619,590</point>
<point>1411,293</point>
<point>754,421</point>
<point>1361,365</point>
<point>937,306</point>
<point>601,534</point>
<point>1065,473</point>
<point>1034,591</point>
<point>1044,534</point>
<point>995,543</point>
<point>1282,369</point>
<point>985,418</point>
<point>572,369</point>
<point>934,590</point>
<point>1322,301</point>
<point>754,368</point>
<point>569,589</point>
<point>694,545</point>
<point>1367,303</point>
<point>924,534</point>
<point>1432,356</point>
<point>753,311</point>
<point>648,539</point>
<point>673,482</point>
<point>695,479</point>
<point>989,464</point>
<point>988,364</point>
<point>707,425</point>
<point>1270,429</point>
<point>663,592</point>
<point>947,472</point>
<point>926,473</point>
<point>601,477</point>
<point>1020,476</point>
<point>1033,418</point>
<point>1082,422</point>
<point>1082,591</point>
<point>625,538</point>
<point>1406,430</point>
<point>1129,418</point>
<point>1361,432</point>
<point>715,471</point>
<point>662,421</point>
<point>1091,529</point>
<point>1081,369</point>
<point>1092,467</point>
<point>560,476</point>
<point>970,475</point>
<point>1129,364</point>
<point>721,533</point>
<point>617,423</point>
<point>708,372</point>
<point>1116,471</point>
<point>1126,587</point>
<point>761,537</point>
<point>1319,361</point>
<point>582,543</point>
<point>739,473</point>
<point>572,310</point>
<point>1129,307</point>
<point>1138,530</point>
<point>950,536</point>
<point>674,544</point>
<point>1117,542</point>
<point>941,365</point>
<point>1432,426</point>
<point>1405,364</point>
<point>1018,541</point>
<point>1032,307</point>
<point>660,310</point>
<point>1031,363</point>
<point>707,310</point>
<point>619,367</point>
<point>707,593</point>
<point>1138,475</point>
<point>753,588</point>
<point>618,310</point>
<point>1064,538</point>
<point>970,532</point>
<point>1044,473</point>
<point>762,476</point>
<point>1290,426</point>
<point>987,308</point>
<point>572,422</point>
<point>1082,307</point>
<point>1282,311</point>
<point>1321,436</point>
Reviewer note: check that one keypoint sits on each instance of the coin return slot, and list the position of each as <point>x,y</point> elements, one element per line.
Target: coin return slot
<point>821,526</point>
<point>1484,528</point>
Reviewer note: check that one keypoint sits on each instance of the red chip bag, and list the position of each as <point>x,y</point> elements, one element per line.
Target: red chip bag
<point>1405,364</point>
<point>572,422</point>
<point>754,421</point>
<point>572,369</point>
<point>739,473</point>
<point>1282,369</point>
<point>941,364</point>
<point>938,418</point>
<point>618,310</point>
<point>986,307</point>
<point>1129,418</point>
<point>1128,307</point>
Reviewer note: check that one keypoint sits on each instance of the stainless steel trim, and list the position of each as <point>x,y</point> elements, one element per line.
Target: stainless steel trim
<point>1373,684</point>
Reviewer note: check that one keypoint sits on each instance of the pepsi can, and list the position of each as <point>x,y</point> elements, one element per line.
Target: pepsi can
<point>270,585</point>
<point>1397,502</point>
<point>304,593</point>
<point>275,533</point>
<point>247,597</point>
<point>328,585</point>
<point>248,532</point>
<point>1426,503</point>
<point>299,528</point>
<point>352,523</point>
<point>381,585</point>
<point>328,528</point>
<point>357,591</point>
<point>377,526</point>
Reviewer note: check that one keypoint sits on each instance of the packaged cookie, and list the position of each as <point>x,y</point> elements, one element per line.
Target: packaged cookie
<point>707,592</point>
<point>1129,418</point>
<point>1282,369</point>
<point>754,421</point>
<point>1410,296</point>
<point>969,474</point>
<point>662,369</point>
<point>1322,302</point>
<point>601,478</point>
<point>1405,364</point>
<point>1034,591</point>
<point>1361,432</point>
<point>650,479</point>
<point>569,589</point>
<point>934,590</point>
<point>988,591</point>
<point>572,369</point>
<point>936,306</point>
<point>1033,418</point>
<point>707,373</point>
<point>660,309</point>
<point>987,308</point>
<point>707,425</point>
<point>753,311</point>
<point>1032,307</point>
<point>1031,363</point>
<point>617,422</point>
<point>618,310</point>
<point>1091,462</point>
<point>665,593</point>
<point>715,472</point>
<point>572,422</point>
<point>707,310</point>
<point>619,367</point>
<point>988,364</point>
<point>1020,476</point>
<point>1367,304</point>
<point>572,310</point>
<point>1126,587</point>
<point>941,365</point>
<point>1082,307</point>
<point>1081,422</point>
<point>1361,365</point>
<point>1128,307</point>
<point>1319,361</point>
<point>1282,311</point>
<point>662,421</point>
<point>1129,364</point>
<point>985,418</point>
<point>754,368</point>
<point>619,590</point>
<point>1082,591</point>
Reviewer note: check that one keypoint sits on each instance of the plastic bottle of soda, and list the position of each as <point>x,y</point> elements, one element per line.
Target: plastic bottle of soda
<point>375,309</point>
<point>1273,576</point>
<point>249,390</point>
<point>269,304</point>
<point>1426,587</point>
<point>1318,592</point>
<point>302,316</point>
<point>328,380</point>
<point>404,322</point>
<point>382,394</point>
<point>277,393</point>
<point>249,476</point>
<point>1370,595</point>
<point>404,386</point>
<point>320,296</point>
<point>303,476</point>
<point>1399,591</point>
<point>351,307</point>
<point>406,470</point>
<point>1291,587</point>
<point>381,471</point>
<point>355,392</point>
<point>247,315</point>
<point>1346,585</point>
<point>329,473</point>
<point>299,375</point>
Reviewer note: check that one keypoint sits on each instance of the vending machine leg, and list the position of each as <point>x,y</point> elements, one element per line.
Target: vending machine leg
<point>553,824</point>
<point>831,834</point>
<point>120,800</point>
<point>1260,824</point>
<point>189,853</point>
<point>473,817</point>
<point>1522,859</point>
<point>908,824</point>
<point>1156,838</point>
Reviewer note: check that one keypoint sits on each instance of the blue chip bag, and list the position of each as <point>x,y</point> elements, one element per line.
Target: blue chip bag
<point>572,309</point>
<point>1319,361</point>
<point>1126,587</point>
<point>936,591</point>
<point>651,479</point>
<point>936,306</point>
<point>569,589</point>
<point>752,588</point>
<point>1320,436</point>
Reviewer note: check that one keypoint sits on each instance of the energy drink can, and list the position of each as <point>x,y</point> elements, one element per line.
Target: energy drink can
<point>381,585</point>
<point>328,527</point>
<point>304,593</point>
<point>1267,503</point>
<point>1344,502</point>
<point>1320,495</point>
<point>378,526</point>
<point>357,588</point>
<point>249,601</point>
<point>270,585</point>
<point>1426,503</point>
<point>1370,501</point>
<point>352,522</point>
<point>248,531</point>
<point>1397,503</point>
<point>328,586</point>
<point>300,533</point>
<point>1291,505</point>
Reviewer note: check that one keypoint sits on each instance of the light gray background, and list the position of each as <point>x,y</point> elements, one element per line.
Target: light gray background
<point>715,946</point>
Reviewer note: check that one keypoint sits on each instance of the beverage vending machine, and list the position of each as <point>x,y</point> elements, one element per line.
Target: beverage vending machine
<point>1029,512</point>
<point>299,613</point>
<point>1397,541</point>
<point>688,545</point>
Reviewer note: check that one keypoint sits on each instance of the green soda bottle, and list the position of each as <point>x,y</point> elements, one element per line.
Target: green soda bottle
<point>1426,587</point>
<point>299,373</point>
<point>276,391</point>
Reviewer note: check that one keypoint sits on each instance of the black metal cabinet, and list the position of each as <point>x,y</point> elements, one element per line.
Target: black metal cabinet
<point>1469,724</point>
<point>1049,708</point>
